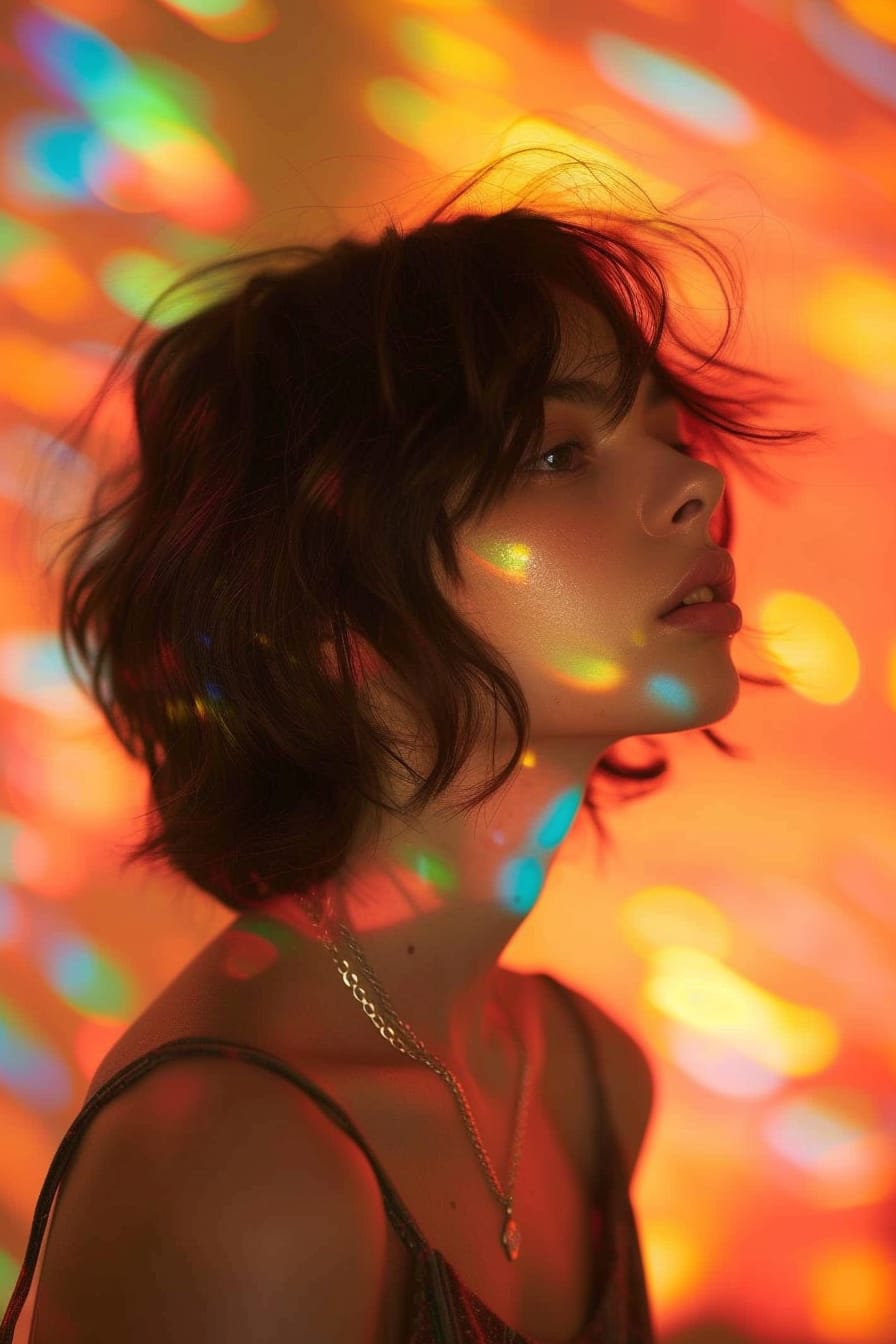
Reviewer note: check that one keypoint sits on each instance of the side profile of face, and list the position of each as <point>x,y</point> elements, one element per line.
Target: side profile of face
<point>569,572</point>
<point>565,577</point>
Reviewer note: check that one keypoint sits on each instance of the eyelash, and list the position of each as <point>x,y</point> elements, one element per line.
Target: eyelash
<point>529,468</point>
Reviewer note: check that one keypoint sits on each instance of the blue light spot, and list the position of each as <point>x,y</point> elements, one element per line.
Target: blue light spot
<point>51,156</point>
<point>671,693</point>
<point>673,88</point>
<point>72,967</point>
<point>519,884</point>
<point>33,664</point>
<point>72,58</point>
<point>555,824</point>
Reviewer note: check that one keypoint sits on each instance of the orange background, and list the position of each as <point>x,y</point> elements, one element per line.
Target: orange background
<point>745,928</point>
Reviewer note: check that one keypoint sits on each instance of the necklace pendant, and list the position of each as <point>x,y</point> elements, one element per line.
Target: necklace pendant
<point>511,1238</point>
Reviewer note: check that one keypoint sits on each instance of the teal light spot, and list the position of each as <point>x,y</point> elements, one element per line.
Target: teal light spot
<point>85,980</point>
<point>519,884</point>
<point>673,88</point>
<point>51,156</point>
<point>74,969</point>
<point>70,57</point>
<point>671,693</point>
<point>33,663</point>
<point>555,822</point>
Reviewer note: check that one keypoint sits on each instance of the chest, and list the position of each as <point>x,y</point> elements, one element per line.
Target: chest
<point>416,1129</point>
<point>547,1292</point>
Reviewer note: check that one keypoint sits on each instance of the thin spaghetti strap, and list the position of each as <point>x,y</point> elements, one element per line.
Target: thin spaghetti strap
<point>398,1213</point>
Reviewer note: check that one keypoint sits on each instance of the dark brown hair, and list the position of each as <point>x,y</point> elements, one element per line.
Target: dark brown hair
<point>298,438</point>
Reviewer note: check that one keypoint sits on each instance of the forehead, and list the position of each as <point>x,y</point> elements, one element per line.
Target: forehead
<point>586,337</point>
<point>587,359</point>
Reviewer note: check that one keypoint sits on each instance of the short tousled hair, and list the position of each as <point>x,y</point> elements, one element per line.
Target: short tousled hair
<point>297,441</point>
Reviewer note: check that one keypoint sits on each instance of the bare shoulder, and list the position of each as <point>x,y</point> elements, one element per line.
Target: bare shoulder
<point>231,1205</point>
<point>626,1072</point>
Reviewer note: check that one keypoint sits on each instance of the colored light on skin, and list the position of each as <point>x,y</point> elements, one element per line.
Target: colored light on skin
<point>696,100</point>
<point>812,648</point>
<point>520,883</point>
<point>515,562</point>
<point>553,826</point>
<point>699,991</point>
<point>510,559</point>
<point>671,693</point>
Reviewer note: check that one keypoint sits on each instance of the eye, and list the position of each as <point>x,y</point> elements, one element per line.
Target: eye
<point>559,450</point>
<point>563,449</point>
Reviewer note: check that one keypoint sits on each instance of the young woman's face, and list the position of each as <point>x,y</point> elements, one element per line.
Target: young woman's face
<point>568,573</point>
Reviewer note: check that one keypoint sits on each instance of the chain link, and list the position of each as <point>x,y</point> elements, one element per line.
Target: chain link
<point>418,1051</point>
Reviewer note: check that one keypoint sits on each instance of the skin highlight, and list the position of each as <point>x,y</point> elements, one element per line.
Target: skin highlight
<point>566,577</point>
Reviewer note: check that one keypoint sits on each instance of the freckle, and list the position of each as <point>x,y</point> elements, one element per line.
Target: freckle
<point>410,948</point>
<point>452,1203</point>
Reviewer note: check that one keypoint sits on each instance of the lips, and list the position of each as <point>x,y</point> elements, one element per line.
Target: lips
<point>714,567</point>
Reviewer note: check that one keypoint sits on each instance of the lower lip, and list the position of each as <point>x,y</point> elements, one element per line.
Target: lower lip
<point>710,618</point>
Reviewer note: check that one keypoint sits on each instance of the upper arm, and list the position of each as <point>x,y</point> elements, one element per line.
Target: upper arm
<point>216,1202</point>
<point>628,1081</point>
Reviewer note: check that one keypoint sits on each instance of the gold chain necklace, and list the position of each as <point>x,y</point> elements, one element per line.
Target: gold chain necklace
<point>410,1044</point>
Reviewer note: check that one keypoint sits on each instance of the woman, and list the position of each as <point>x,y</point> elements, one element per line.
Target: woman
<point>374,491</point>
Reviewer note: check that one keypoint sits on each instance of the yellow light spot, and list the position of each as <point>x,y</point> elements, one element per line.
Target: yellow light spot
<point>674,1261</point>
<point>814,650</point>
<point>785,1037</point>
<point>669,916</point>
<point>852,1293</point>
<point>878,17</point>
<point>433,47</point>
<point>851,321</point>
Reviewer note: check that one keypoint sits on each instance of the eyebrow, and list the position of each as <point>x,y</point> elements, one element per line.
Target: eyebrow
<point>588,392</point>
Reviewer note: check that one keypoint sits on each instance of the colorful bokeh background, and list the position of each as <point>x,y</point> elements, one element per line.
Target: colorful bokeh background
<point>745,927</point>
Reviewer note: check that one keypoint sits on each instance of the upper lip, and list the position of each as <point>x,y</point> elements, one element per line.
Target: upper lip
<point>715,568</point>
